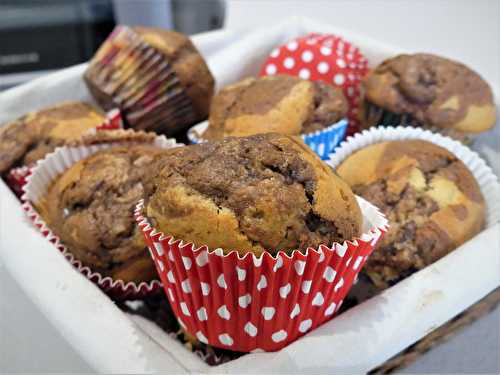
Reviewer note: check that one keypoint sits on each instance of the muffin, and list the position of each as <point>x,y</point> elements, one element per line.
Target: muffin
<point>322,57</point>
<point>429,91</point>
<point>156,77</point>
<point>31,137</point>
<point>266,192</point>
<point>90,207</point>
<point>281,104</point>
<point>432,201</point>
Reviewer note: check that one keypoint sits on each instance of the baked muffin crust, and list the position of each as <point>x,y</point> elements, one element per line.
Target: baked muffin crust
<point>429,90</point>
<point>90,207</point>
<point>31,137</point>
<point>281,104</point>
<point>266,192</point>
<point>432,201</point>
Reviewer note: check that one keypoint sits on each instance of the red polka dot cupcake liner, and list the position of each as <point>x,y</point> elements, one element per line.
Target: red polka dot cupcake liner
<point>16,177</point>
<point>324,57</point>
<point>249,303</point>
<point>37,183</point>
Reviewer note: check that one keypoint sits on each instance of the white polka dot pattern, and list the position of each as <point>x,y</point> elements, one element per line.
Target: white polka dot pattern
<point>268,312</point>
<point>292,46</point>
<point>305,325</point>
<point>186,286</point>
<point>271,69</point>
<point>248,303</point>
<point>245,300</point>
<point>285,290</point>
<point>295,311</point>
<point>306,286</point>
<point>225,339</point>
<point>307,56</point>
<point>262,283</point>
<point>339,79</point>
<point>289,63</point>
<point>279,336</point>
<point>242,274</point>
<point>223,312</point>
<point>250,329</point>
<point>304,73</point>
<point>323,67</point>
<point>202,314</point>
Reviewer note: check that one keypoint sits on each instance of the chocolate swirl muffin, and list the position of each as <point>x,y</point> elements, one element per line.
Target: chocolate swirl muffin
<point>432,201</point>
<point>90,207</point>
<point>281,104</point>
<point>430,91</point>
<point>31,137</point>
<point>266,192</point>
<point>156,77</point>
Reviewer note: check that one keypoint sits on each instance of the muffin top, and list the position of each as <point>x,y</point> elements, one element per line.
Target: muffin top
<point>90,207</point>
<point>281,104</point>
<point>432,201</point>
<point>188,64</point>
<point>434,90</point>
<point>266,192</point>
<point>31,137</point>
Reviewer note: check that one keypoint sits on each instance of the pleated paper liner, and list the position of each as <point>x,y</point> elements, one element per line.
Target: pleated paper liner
<point>248,303</point>
<point>377,116</point>
<point>130,68</point>
<point>39,181</point>
<point>322,142</point>
<point>16,177</point>
<point>486,179</point>
<point>138,78</point>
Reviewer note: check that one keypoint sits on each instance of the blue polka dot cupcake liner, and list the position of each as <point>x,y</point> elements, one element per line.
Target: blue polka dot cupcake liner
<point>322,142</point>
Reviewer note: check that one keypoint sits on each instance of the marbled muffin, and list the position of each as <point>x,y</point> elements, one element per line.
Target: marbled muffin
<point>266,192</point>
<point>90,207</point>
<point>281,104</point>
<point>31,137</point>
<point>156,77</point>
<point>432,201</point>
<point>430,91</point>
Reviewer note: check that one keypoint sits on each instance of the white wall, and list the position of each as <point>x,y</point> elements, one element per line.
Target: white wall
<point>462,29</point>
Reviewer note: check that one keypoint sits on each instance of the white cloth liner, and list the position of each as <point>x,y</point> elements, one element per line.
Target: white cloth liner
<point>355,341</point>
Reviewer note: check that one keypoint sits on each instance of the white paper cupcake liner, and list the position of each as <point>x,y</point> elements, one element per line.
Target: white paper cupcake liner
<point>487,180</point>
<point>43,173</point>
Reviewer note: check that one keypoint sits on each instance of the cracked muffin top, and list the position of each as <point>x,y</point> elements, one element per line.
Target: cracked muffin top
<point>31,137</point>
<point>432,201</point>
<point>90,207</point>
<point>266,192</point>
<point>432,90</point>
<point>281,104</point>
